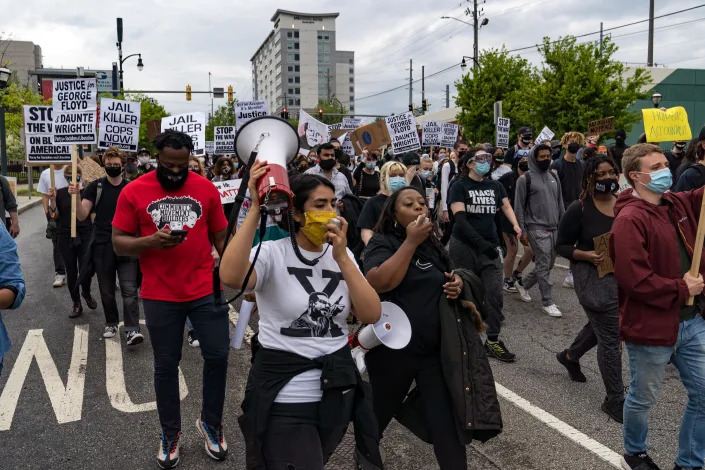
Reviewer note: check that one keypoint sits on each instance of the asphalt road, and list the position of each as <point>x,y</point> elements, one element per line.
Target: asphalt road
<point>97,422</point>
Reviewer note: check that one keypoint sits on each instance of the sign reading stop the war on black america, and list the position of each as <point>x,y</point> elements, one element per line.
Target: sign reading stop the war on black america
<point>74,102</point>
<point>224,137</point>
<point>119,124</point>
<point>193,124</point>
<point>39,129</point>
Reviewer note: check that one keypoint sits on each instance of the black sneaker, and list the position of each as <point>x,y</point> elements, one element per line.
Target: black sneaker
<point>614,409</point>
<point>499,351</point>
<point>678,467</point>
<point>90,301</point>
<point>168,453</point>
<point>193,339</point>
<point>639,461</point>
<point>509,286</point>
<point>576,375</point>
<point>516,275</point>
<point>134,337</point>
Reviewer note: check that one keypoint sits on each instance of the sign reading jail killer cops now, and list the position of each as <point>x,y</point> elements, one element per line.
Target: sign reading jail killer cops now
<point>224,138</point>
<point>663,126</point>
<point>119,124</point>
<point>503,126</point>
<point>431,133</point>
<point>248,110</point>
<point>402,131</point>
<point>450,134</point>
<point>39,146</point>
<point>74,102</point>
<point>193,124</point>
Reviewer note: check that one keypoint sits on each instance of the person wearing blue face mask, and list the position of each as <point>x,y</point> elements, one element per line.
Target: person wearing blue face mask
<point>474,244</point>
<point>391,179</point>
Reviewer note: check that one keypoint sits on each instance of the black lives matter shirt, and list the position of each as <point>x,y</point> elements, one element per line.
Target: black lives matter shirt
<point>105,209</point>
<point>482,199</point>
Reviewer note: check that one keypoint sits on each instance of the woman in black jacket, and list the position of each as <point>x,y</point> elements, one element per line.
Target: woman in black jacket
<point>407,265</point>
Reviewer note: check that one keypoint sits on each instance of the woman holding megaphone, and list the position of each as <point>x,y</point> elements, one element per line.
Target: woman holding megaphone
<point>303,388</point>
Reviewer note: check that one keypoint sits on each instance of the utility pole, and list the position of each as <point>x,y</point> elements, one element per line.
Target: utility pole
<point>650,58</point>
<point>210,89</point>
<point>423,88</point>
<point>411,82</point>
<point>447,96</point>
<point>601,45</point>
<point>476,31</point>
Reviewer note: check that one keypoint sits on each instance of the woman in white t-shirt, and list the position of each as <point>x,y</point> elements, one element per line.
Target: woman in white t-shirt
<point>303,308</point>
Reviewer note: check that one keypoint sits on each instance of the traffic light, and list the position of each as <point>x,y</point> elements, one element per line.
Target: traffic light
<point>411,108</point>
<point>285,114</point>
<point>424,105</point>
<point>188,92</point>
<point>230,93</point>
<point>320,113</point>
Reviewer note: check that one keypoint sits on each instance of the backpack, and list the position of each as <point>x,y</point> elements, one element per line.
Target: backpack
<point>558,164</point>
<point>527,175</point>
<point>451,175</point>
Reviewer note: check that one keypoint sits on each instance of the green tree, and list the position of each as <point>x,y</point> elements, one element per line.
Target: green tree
<point>500,76</point>
<point>329,107</point>
<point>12,98</point>
<point>582,82</point>
<point>224,115</point>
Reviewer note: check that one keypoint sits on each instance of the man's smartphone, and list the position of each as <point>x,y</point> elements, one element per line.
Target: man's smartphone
<point>178,233</point>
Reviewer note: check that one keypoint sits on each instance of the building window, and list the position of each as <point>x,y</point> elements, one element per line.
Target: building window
<point>352,89</point>
<point>326,59</point>
<point>291,79</point>
<point>297,91</point>
<point>291,102</point>
<point>296,46</point>
<point>298,102</point>
<point>291,91</point>
<point>320,37</point>
<point>297,80</point>
<point>352,98</point>
<point>352,80</point>
<point>320,58</point>
<point>326,37</point>
<point>320,47</point>
<point>289,47</point>
<point>296,57</point>
<point>326,48</point>
<point>351,62</point>
<point>290,58</point>
<point>296,34</point>
<point>296,68</point>
<point>288,34</point>
<point>290,68</point>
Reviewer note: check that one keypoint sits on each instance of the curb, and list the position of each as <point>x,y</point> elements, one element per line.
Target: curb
<point>28,206</point>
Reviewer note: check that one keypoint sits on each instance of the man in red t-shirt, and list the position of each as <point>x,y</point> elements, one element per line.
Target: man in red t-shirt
<point>177,216</point>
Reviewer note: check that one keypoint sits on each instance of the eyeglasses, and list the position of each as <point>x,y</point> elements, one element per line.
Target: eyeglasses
<point>482,157</point>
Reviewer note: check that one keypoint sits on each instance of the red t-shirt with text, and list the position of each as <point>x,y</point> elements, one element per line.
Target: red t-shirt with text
<point>182,273</point>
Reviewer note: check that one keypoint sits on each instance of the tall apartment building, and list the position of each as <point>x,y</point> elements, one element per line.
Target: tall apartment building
<point>298,64</point>
<point>21,57</point>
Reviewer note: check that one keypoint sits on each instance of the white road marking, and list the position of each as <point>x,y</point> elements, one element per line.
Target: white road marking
<point>115,380</point>
<point>67,401</point>
<point>566,430</point>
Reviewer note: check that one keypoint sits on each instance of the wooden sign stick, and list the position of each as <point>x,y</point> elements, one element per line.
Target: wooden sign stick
<point>698,249</point>
<point>74,157</point>
<point>52,182</point>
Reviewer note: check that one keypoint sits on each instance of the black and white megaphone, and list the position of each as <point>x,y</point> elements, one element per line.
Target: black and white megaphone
<point>278,143</point>
<point>392,330</point>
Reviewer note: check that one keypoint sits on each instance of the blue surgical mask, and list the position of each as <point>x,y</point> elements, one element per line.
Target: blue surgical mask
<point>371,165</point>
<point>426,174</point>
<point>661,181</point>
<point>482,168</point>
<point>396,183</point>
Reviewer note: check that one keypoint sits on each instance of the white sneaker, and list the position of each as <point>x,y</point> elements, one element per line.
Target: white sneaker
<point>522,292</point>
<point>568,282</point>
<point>552,311</point>
<point>110,331</point>
<point>59,280</point>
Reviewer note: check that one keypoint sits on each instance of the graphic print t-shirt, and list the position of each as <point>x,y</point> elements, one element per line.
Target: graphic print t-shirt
<point>302,310</point>
<point>481,199</point>
<point>182,273</point>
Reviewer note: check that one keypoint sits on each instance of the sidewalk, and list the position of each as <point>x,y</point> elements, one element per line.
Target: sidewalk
<point>24,203</point>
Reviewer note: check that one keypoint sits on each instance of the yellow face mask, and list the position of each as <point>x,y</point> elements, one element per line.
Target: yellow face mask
<point>315,225</point>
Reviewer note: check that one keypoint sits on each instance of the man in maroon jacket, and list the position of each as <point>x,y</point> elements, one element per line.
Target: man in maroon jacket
<point>652,246</point>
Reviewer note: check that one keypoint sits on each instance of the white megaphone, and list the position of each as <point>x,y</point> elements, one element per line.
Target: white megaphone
<point>276,141</point>
<point>392,329</point>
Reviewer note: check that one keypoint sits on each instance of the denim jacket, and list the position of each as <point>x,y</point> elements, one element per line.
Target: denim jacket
<point>10,275</point>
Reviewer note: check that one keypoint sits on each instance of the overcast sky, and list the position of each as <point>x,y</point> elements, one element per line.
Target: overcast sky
<point>181,41</point>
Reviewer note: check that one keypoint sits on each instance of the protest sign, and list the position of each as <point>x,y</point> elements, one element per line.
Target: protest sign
<point>12,180</point>
<point>304,151</point>
<point>503,126</point>
<point>546,134</point>
<point>248,110</point>
<point>193,124</point>
<point>39,146</point>
<point>210,147</point>
<point>312,132</point>
<point>601,126</point>
<point>338,133</point>
<point>602,247</point>
<point>371,136</point>
<point>431,133</point>
<point>228,190</point>
<point>119,124</point>
<point>661,126</point>
<point>347,146</point>
<point>224,138</point>
<point>74,103</point>
<point>402,132</point>
<point>351,123</point>
<point>336,126</point>
<point>450,134</point>
<point>154,128</point>
<point>90,171</point>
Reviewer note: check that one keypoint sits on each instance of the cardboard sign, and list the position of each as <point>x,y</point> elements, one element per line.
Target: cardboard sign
<point>431,133</point>
<point>154,128</point>
<point>351,123</point>
<point>224,138</point>
<point>90,171</point>
<point>40,148</point>
<point>248,110</point>
<point>12,180</point>
<point>662,126</point>
<point>402,131</point>
<point>602,247</point>
<point>210,147</point>
<point>74,102</point>
<point>312,132</point>
<point>546,134</point>
<point>193,124</point>
<point>450,134</point>
<point>119,124</point>
<point>371,136</point>
<point>228,190</point>
<point>503,126</point>
<point>601,126</point>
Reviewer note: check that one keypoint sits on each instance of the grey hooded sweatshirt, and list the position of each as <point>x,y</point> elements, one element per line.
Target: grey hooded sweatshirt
<point>544,207</point>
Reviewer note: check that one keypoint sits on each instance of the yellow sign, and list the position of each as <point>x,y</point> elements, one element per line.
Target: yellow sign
<point>662,126</point>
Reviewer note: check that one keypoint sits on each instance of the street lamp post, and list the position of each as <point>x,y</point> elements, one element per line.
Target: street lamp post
<point>140,64</point>
<point>4,78</point>
<point>476,29</point>
<point>464,64</point>
<point>656,99</point>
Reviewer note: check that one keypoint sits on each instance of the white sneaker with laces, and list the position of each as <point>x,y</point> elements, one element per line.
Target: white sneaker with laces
<point>134,337</point>
<point>59,280</point>
<point>568,282</point>
<point>552,311</point>
<point>522,292</point>
<point>109,331</point>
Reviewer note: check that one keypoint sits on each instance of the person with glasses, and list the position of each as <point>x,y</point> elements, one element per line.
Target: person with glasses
<point>72,250</point>
<point>474,244</point>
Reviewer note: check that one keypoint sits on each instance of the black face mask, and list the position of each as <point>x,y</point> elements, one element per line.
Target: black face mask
<point>543,164</point>
<point>198,172</point>
<point>524,166</point>
<point>131,167</point>
<point>526,140</point>
<point>113,171</point>
<point>606,186</point>
<point>461,154</point>
<point>169,180</point>
<point>573,147</point>
<point>327,164</point>
<point>680,146</point>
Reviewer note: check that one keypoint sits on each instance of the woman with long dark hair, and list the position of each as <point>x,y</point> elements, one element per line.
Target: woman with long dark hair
<point>407,265</point>
<point>691,173</point>
<point>589,217</point>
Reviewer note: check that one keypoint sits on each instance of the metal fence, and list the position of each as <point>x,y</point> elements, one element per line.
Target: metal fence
<point>21,172</point>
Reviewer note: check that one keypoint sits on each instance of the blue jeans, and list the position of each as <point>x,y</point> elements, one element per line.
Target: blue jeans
<point>646,367</point>
<point>165,322</point>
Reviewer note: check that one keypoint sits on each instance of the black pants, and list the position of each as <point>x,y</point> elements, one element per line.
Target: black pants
<point>391,374</point>
<point>107,264</point>
<point>294,439</point>
<point>59,267</point>
<point>165,322</point>
<point>72,252</point>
